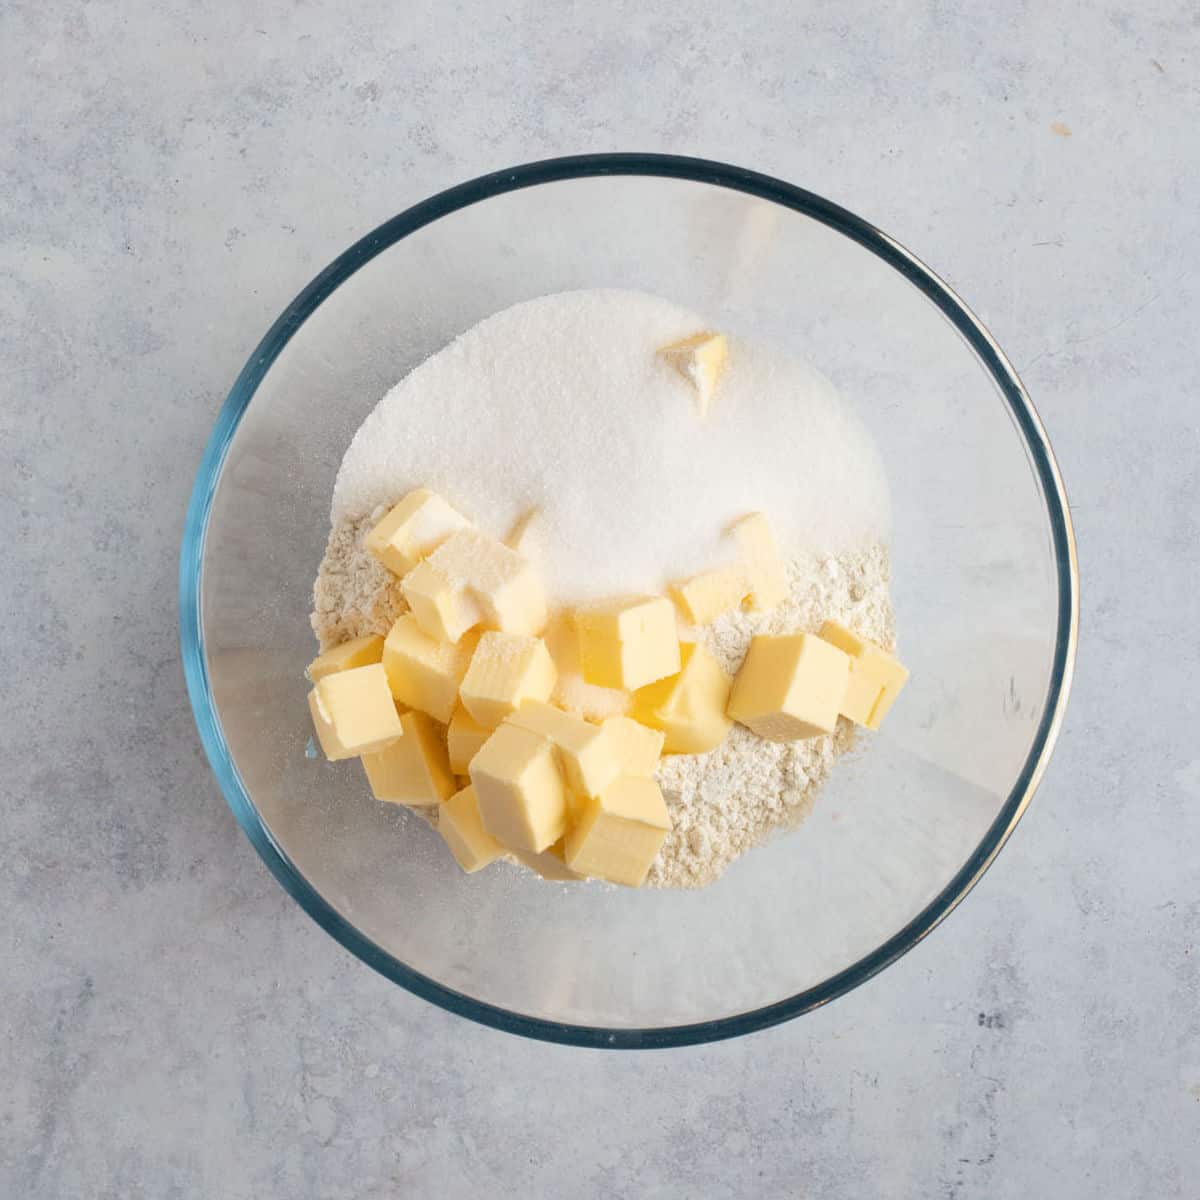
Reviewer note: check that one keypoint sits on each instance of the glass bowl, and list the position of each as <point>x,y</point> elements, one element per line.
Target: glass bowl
<point>984,587</point>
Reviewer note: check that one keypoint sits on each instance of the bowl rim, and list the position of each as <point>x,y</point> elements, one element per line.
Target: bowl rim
<point>693,170</point>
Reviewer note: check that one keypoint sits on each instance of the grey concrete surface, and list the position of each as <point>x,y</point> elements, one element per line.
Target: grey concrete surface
<point>171,1025</point>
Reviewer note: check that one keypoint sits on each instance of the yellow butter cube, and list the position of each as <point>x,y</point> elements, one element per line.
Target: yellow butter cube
<point>505,585</point>
<point>462,830</point>
<point>414,770</point>
<point>522,537</point>
<point>790,687</point>
<point>465,738</point>
<point>689,707</point>
<point>588,753</point>
<point>700,359</point>
<point>572,692</point>
<point>443,612</point>
<point>638,747</point>
<point>522,796</point>
<point>423,673</point>
<point>506,670</point>
<point>358,652</point>
<point>628,643</point>
<point>764,567</point>
<point>550,864</point>
<point>706,596</point>
<point>420,523</point>
<point>353,712</point>
<point>619,833</point>
<point>875,676</point>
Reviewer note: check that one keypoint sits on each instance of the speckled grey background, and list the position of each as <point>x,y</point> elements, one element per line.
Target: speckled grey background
<point>171,1025</point>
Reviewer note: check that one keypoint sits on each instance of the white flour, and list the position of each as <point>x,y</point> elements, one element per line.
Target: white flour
<point>559,404</point>
<point>353,595</point>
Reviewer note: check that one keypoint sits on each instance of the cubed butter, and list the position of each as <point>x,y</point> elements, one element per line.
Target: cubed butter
<point>790,687</point>
<point>572,692</point>
<point>506,670</point>
<point>465,738</point>
<point>704,597</point>
<point>875,676</point>
<point>414,770</point>
<point>522,796</point>
<point>638,747</point>
<point>523,536</point>
<point>423,673</point>
<point>550,864</point>
<point>420,523</point>
<point>764,568</point>
<point>628,643</point>
<point>587,752</point>
<point>443,612</point>
<point>353,712</point>
<point>358,652</point>
<point>700,359</point>
<point>689,707</point>
<point>505,585</point>
<point>462,830</point>
<point>619,832</point>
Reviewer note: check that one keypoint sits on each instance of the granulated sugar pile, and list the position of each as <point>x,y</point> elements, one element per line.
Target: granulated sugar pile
<point>560,404</point>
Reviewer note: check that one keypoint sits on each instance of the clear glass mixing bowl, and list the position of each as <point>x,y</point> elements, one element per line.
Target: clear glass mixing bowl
<point>985,592</point>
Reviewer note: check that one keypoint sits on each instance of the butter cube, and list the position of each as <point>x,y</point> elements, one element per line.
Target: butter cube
<point>353,712</point>
<point>506,670</point>
<point>628,643</point>
<point>358,652</point>
<point>760,558</point>
<point>638,747</point>
<point>462,830</point>
<point>504,584</point>
<point>706,596</point>
<point>875,676</point>
<point>587,753</point>
<point>700,359</point>
<point>550,864</point>
<point>443,612</point>
<point>689,707</point>
<point>423,673</point>
<point>465,738</point>
<point>572,691</point>
<point>522,797</point>
<point>523,537</point>
<point>420,523</point>
<point>414,770</point>
<point>620,832</point>
<point>790,687</point>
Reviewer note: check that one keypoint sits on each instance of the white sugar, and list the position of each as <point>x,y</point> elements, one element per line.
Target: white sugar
<point>560,404</point>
